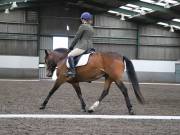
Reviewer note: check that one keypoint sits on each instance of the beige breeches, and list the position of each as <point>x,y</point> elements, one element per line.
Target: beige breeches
<point>76,52</point>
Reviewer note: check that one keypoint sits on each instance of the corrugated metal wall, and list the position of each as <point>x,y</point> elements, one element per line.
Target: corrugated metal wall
<point>112,34</point>
<point>45,43</point>
<point>53,22</point>
<point>18,37</point>
<point>55,19</point>
<point>20,34</point>
<point>156,43</point>
<point>15,16</point>
<point>137,42</point>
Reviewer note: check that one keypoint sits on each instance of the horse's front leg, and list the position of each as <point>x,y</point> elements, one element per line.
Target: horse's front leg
<point>79,94</point>
<point>55,87</point>
<point>105,92</point>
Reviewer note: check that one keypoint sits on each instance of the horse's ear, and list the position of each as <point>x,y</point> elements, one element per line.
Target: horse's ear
<point>46,52</point>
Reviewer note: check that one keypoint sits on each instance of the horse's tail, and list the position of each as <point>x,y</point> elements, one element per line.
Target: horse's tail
<point>133,78</point>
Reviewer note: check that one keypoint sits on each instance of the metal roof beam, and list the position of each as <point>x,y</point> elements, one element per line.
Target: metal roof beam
<point>20,5</point>
<point>132,13</point>
<point>3,2</point>
<point>144,17</point>
<point>155,20</point>
<point>174,23</point>
<point>157,8</point>
<point>124,11</point>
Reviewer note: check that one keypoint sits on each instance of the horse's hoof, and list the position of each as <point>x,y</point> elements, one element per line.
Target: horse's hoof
<point>42,107</point>
<point>131,112</point>
<point>90,111</point>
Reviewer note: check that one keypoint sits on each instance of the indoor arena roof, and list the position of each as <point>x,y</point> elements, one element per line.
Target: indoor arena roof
<point>160,12</point>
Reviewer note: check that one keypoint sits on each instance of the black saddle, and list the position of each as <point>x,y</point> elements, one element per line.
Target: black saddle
<point>76,58</point>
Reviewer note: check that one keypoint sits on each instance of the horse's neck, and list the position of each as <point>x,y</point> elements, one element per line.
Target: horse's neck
<point>58,58</point>
<point>62,62</point>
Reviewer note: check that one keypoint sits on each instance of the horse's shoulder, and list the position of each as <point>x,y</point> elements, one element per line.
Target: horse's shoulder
<point>62,64</point>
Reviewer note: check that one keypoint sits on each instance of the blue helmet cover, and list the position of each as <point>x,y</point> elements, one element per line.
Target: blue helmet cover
<point>86,16</point>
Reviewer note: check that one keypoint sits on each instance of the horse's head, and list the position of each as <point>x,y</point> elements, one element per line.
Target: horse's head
<point>50,63</point>
<point>52,58</point>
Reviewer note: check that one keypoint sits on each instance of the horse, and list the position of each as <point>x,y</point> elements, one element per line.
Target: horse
<point>109,65</point>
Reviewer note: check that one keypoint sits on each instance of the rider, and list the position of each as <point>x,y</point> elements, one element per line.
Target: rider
<point>81,42</point>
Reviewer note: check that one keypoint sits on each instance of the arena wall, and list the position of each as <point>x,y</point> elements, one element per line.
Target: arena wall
<point>28,32</point>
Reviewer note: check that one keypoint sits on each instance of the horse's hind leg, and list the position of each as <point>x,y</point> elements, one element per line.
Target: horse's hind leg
<point>79,94</point>
<point>123,88</point>
<point>55,87</point>
<point>105,92</point>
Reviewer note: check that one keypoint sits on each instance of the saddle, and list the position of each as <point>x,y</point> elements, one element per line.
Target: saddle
<point>82,59</point>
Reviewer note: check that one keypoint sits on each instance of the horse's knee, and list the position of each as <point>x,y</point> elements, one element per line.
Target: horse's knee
<point>106,92</point>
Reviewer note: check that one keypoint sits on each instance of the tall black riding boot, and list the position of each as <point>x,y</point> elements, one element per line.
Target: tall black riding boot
<point>71,72</point>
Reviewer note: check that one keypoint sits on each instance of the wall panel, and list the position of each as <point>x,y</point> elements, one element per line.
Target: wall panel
<point>22,28</point>
<point>160,41</point>
<point>159,53</point>
<point>17,16</point>
<point>109,21</point>
<point>112,34</point>
<point>55,19</point>
<point>19,48</point>
<point>157,43</point>
<point>125,50</point>
<point>45,43</point>
<point>18,38</point>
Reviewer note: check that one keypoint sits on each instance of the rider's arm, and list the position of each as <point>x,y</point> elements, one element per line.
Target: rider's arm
<point>77,37</point>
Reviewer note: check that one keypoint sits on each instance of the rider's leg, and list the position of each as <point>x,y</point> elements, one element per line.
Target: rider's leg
<point>71,72</point>
<point>71,56</point>
<point>76,52</point>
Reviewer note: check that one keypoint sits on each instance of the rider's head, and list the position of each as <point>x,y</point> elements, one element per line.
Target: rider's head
<point>86,17</point>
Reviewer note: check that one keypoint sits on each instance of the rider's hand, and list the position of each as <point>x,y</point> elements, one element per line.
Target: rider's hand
<point>68,51</point>
<point>70,48</point>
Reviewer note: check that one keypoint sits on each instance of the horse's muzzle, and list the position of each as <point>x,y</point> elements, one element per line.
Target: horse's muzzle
<point>49,74</point>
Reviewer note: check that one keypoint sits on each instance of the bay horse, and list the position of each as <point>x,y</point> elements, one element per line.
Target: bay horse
<point>109,65</point>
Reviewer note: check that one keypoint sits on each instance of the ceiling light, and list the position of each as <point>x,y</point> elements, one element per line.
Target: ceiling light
<point>122,17</point>
<point>67,27</point>
<point>171,28</point>
<point>142,12</point>
<point>176,20</point>
<point>6,11</point>
<point>164,24</point>
<point>147,1</point>
<point>113,12</point>
<point>132,5</point>
<point>177,27</point>
<point>167,5</point>
<point>14,5</point>
<point>147,9</point>
<point>126,8</point>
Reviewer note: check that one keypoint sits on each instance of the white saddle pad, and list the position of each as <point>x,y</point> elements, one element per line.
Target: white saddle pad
<point>82,61</point>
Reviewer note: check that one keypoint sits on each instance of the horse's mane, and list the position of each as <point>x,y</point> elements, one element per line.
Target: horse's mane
<point>61,50</point>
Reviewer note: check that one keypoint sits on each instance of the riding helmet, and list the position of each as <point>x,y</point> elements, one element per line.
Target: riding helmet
<point>86,16</point>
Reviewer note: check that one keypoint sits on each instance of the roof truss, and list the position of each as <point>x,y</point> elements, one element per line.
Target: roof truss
<point>149,17</point>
